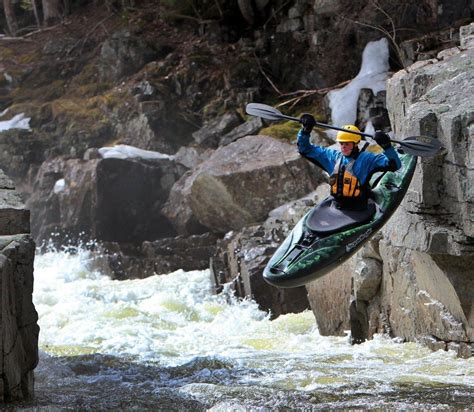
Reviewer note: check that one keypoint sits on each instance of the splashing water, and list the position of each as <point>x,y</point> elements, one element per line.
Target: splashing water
<point>198,344</point>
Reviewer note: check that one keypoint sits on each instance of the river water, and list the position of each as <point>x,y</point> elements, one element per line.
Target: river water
<point>167,343</point>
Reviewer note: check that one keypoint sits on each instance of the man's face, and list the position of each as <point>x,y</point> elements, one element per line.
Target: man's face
<point>346,148</point>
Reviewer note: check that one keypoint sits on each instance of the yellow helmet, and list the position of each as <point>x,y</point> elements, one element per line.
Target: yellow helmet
<point>348,137</point>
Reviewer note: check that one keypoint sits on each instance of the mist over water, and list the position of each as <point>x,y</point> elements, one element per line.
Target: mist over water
<point>167,340</point>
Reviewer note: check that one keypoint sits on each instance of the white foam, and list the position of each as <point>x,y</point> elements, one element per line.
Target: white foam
<point>123,151</point>
<point>174,318</point>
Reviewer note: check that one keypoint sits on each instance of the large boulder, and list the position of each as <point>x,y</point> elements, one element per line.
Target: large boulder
<point>240,183</point>
<point>332,319</point>
<point>116,196</point>
<point>18,328</point>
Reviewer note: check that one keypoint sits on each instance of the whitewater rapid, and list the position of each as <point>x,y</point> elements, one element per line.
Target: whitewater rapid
<point>174,321</point>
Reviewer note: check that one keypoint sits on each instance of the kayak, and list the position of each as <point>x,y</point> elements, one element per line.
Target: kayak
<point>327,236</point>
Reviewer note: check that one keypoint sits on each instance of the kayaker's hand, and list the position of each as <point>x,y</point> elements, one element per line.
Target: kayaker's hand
<point>308,121</point>
<point>382,139</point>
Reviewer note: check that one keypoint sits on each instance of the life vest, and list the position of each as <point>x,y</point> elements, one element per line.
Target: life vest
<point>344,184</point>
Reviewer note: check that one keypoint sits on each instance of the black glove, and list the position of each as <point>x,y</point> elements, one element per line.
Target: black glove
<point>308,122</point>
<point>382,139</point>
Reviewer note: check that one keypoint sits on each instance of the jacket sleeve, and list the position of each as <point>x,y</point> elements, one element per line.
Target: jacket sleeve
<point>388,160</point>
<point>321,156</point>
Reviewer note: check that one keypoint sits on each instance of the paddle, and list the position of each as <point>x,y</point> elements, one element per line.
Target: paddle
<point>422,146</point>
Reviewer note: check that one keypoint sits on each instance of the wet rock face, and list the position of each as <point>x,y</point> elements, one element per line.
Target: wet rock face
<point>241,182</point>
<point>125,261</point>
<point>428,296</point>
<point>14,218</point>
<point>107,199</point>
<point>428,245</point>
<point>440,198</point>
<point>331,318</point>
<point>18,327</point>
<point>414,280</point>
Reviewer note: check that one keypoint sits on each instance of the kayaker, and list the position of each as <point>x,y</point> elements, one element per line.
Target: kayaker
<point>350,169</point>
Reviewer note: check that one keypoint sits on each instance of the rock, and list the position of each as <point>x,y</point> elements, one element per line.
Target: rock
<point>241,182</point>
<point>332,319</point>
<point>14,218</point>
<point>466,34</point>
<point>436,102</point>
<point>109,199</point>
<point>424,295</point>
<point>19,329</point>
<point>19,149</point>
<point>19,340</point>
<point>178,209</point>
<point>210,134</point>
<point>124,261</point>
<point>432,342</point>
<point>246,254</point>
<point>462,349</point>
<point>372,108</point>
<point>248,128</point>
<point>191,156</point>
<point>359,321</point>
<point>367,278</point>
<point>427,46</point>
<point>123,54</point>
<point>43,200</point>
<point>355,286</point>
<point>59,46</point>
<point>447,53</point>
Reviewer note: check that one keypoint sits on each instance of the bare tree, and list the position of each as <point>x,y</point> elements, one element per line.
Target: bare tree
<point>34,6</point>
<point>51,11</point>
<point>10,17</point>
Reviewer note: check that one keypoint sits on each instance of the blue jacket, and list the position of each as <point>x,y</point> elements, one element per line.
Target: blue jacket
<point>366,164</point>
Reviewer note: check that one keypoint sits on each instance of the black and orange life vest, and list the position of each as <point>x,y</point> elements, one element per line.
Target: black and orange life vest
<point>344,184</point>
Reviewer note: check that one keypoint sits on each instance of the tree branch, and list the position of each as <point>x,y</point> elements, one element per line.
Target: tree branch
<point>266,77</point>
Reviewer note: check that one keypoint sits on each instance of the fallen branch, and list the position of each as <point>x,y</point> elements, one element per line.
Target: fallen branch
<point>8,38</point>
<point>46,29</point>
<point>302,94</point>
<point>266,77</point>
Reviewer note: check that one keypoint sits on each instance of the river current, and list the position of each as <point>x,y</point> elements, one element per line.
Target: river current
<point>167,343</point>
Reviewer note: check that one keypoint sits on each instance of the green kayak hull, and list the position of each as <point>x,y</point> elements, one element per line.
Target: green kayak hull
<point>306,255</point>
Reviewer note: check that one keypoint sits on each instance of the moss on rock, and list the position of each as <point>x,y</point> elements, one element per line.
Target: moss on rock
<point>283,131</point>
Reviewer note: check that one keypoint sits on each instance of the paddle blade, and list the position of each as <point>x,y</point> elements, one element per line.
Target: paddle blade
<point>423,146</point>
<point>264,111</point>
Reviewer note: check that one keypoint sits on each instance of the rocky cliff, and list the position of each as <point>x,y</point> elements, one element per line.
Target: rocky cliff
<point>18,327</point>
<point>415,280</point>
